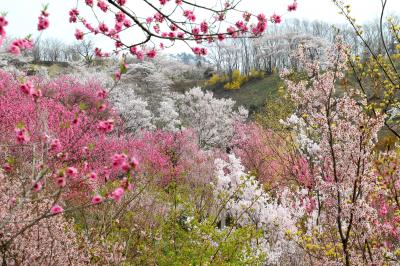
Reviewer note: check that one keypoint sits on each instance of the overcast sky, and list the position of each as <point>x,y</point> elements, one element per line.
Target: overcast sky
<point>22,14</point>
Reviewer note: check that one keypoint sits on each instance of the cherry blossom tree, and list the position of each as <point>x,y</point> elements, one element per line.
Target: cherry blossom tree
<point>133,110</point>
<point>212,119</point>
<point>337,142</point>
<point>242,201</point>
<point>267,155</point>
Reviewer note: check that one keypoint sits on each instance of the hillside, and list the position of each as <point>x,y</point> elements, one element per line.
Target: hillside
<point>251,95</point>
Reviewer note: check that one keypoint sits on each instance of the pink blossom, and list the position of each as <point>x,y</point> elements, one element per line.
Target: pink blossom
<point>127,23</point>
<point>43,23</point>
<point>163,2</point>
<point>55,145</point>
<point>37,186</point>
<point>149,20</point>
<point>133,50</point>
<point>103,28</point>
<point>125,167</point>
<point>260,28</point>
<point>118,159</point>
<point>89,3</point>
<point>159,18</point>
<point>189,15</point>
<point>36,93</point>
<point>120,16</point>
<point>151,53</point>
<point>78,34</point>
<point>102,5</point>
<point>196,31</point>
<point>292,7</point>
<point>56,209</point>
<point>117,194</point>
<point>102,94</point>
<point>232,31</point>
<point>276,19</point>
<point>27,44</point>
<point>241,25</point>
<point>220,16</point>
<point>97,199</point>
<point>171,34</point>
<point>93,176</point>
<point>383,210</point>
<point>196,50</point>
<point>7,167</point>
<point>72,172</point>
<point>26,87</point>
<point>246,16</point>
<point>61,181</point>
<point>178,2</point>
<point>156,29</point>
<point>181,35</point>
<point>140,55</point>
<point>121,2</point>
<point>261,17</point>
<point>133,163</point>
<point>23,43</point>
<point>204,27</point>
<point>3,24</point>
<point>200,51</point>
<point>15,50</point>
<point>73,15</point>
<point>22,135</point>
<point>117,75</point>
<point>106,126</point>
<point>3,21</point>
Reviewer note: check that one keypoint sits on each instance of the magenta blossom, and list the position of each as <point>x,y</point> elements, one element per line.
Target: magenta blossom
<point>56,209</point>
<point>97,199</point>
<point>117,194</point>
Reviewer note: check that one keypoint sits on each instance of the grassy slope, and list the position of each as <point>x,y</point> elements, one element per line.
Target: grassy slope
<point>252,95</point>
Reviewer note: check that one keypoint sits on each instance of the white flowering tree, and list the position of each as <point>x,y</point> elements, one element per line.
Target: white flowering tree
<point>244,202</point>
<point>168,116</point>
<point>133,110</point>
<point>211,118</point>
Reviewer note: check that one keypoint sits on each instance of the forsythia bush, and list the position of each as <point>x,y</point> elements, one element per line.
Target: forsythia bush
<point>236,80</point>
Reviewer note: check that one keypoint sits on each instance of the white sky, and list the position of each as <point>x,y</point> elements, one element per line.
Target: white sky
<point>22,14</point>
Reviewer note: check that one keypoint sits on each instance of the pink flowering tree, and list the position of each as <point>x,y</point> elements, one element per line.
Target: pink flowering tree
<point>162,23</point>
<point>58,155</point>
<point>43,241</point>
<point>266,155</point>
<point>336,138</point>
<point>169,21</point>
<point>387,201</point>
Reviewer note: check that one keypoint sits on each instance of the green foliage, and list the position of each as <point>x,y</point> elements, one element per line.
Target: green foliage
<point>253,94</point>
<point>189,234</point>
<point>277,107</point>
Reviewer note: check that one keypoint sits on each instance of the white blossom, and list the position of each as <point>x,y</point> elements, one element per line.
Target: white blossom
<point>248,204</point>
<point>133,110</point>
